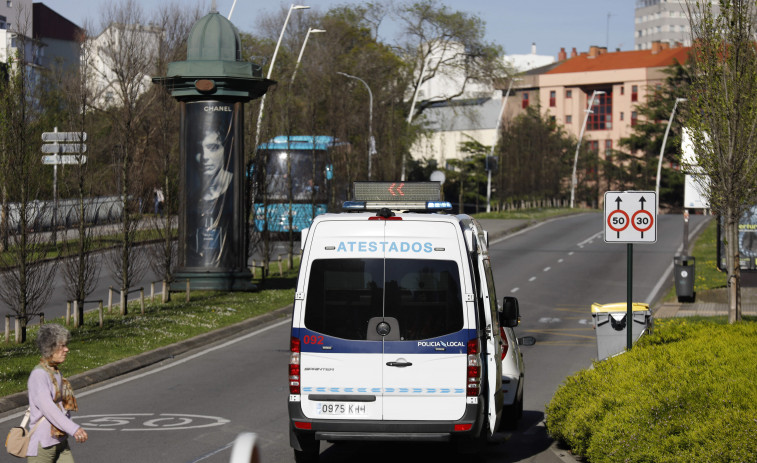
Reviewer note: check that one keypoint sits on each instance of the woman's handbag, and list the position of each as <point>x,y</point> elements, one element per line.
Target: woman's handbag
<point>17,441</point>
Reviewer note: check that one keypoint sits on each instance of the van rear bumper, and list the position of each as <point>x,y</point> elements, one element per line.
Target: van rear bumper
<point>378,430</point>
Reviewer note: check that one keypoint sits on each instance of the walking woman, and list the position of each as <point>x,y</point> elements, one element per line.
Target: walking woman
<point>51,399</point>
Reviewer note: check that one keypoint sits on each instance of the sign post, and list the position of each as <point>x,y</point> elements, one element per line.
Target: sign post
<point>76,145</point>
<point>630,217</point>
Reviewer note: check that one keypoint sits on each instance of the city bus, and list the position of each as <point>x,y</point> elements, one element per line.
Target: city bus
<point>294,182</point>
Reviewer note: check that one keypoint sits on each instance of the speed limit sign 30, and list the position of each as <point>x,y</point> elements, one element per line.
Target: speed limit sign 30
<point>630,217</point>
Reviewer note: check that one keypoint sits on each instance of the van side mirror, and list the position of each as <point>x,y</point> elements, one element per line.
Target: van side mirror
<point>510,315</point>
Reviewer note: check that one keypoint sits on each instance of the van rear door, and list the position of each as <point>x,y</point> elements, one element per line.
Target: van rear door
<point>424,362</point>
<point>340,366</point>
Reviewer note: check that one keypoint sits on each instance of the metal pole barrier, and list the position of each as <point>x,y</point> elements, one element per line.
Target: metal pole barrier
<point>110,299</point>
<point>100,313</point>
<point>77,320</point>
<point>187,289</point>
<point>142,300</point>
<point>152,292</point>
<point>68,312</point>
<point>7,328</point>
<point>281,270</point>
<point>164,295</point>
<point>123,302</point>
<point>18,330</point>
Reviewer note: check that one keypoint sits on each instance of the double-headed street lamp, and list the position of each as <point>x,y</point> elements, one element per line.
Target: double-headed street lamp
<point>302,50</point>
<point>662,150</point>
<point>573,179</point>
<point>270,68</point>
<point>371,141</point>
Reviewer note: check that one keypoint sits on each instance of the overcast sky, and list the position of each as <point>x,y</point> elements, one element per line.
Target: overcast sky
<point>513,24</point>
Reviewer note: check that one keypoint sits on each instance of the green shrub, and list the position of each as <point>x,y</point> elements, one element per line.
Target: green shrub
<point>685,393</point>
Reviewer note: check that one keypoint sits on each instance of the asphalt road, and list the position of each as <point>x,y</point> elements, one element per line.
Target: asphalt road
<point>189,409</point>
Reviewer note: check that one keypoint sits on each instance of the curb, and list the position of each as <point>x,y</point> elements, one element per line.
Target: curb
<point>139,361</point>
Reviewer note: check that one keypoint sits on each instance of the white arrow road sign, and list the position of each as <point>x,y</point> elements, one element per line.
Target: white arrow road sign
<point>64,148</point>
<point>630,217</point>
<point>65,136</point>
<point>67,159</point>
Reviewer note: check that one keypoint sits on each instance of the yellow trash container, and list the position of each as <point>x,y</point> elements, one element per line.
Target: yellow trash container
<point>610,326</point>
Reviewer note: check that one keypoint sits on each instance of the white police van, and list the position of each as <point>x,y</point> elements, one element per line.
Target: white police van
<point>396,330</point>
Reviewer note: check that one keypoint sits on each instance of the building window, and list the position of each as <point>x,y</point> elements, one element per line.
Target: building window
<point>622,90</point>
<point>568,93</point>
<point>622,114</point>
<point>594,145</point>
<point>634,118</point>
<point>553,119</point>
<point>600,117</point>
<point>634,93</point>
<point>524,102</point>
<point>608,145</point>
<point>9,4</point>
<point>569,119</point>
<point>552,98</point>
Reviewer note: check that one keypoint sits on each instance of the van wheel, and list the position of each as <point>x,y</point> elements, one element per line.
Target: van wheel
<point>310,452</point>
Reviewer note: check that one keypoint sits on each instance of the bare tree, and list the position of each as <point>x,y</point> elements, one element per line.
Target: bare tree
<point>81,270</point>
<point>26,279</point>
<point>174,22</point>
<point>723,118</point>
<point>123,60</point>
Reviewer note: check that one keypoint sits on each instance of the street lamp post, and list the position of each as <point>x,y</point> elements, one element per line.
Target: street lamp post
<point>371,141</point>
<point>496,140</point>
<point>302,50</point>
<point>270,68</point>
<point>662,150</point>
<point>574,180</point>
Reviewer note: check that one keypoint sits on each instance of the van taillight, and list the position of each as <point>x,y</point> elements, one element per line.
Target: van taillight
<point>474,369</point>
<point>294,365</point>
<point>505,344</point>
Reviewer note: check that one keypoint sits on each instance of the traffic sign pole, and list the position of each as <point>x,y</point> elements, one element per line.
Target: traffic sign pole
<point>628,221</point>
<point>629,297</point>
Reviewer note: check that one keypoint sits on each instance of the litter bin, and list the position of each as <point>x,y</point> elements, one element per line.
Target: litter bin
<point>683,273</point>
<point>610,326</point>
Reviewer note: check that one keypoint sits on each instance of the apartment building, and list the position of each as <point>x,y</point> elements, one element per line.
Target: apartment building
<point>664,21</point>
<point>622,80</point>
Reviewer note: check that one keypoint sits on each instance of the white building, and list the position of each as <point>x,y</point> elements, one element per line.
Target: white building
<point>663,21</point>
<point>121,60</point>
<point>523,63</point>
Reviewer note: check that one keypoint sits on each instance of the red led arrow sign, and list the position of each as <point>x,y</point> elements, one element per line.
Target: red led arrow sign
<point>398,190</point>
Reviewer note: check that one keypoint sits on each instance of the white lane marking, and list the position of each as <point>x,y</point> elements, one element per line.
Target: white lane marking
<point>549,320</point>
<point>571,253</point>
<point>532,279</point>
<point>590,239</point>
<point>514,290</point>
<point>560,261</point>
<point>214,452</point>
<point>167,366</point>
<point>547,269</point>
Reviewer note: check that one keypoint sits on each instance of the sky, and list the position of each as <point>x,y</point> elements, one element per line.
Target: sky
<point>512,24</point>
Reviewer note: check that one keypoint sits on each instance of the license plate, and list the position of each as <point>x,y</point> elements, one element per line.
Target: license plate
<point>341,408</point>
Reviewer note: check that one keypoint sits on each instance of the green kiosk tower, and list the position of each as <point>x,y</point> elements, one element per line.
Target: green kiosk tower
<point>212,86</point>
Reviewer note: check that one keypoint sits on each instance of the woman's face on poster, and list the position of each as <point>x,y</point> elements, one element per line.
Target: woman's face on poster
<point>211,156</point>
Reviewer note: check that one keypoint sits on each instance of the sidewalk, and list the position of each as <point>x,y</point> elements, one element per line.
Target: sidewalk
<point>708,304</point>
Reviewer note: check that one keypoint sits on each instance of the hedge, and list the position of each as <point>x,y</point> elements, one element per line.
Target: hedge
<point>687,392</point>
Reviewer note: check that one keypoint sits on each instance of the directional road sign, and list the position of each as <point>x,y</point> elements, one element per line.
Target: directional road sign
<point>64,148</point>
<point>65,136</point>
<point>630,217</point>
<point>54,159</point>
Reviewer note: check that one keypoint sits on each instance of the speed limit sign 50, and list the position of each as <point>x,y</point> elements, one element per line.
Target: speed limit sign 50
<point>630,217</point>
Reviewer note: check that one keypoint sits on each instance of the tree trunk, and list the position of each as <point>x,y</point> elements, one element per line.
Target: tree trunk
<point>733,266</point>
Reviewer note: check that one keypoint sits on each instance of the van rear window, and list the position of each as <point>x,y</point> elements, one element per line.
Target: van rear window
<point>423,295</point>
